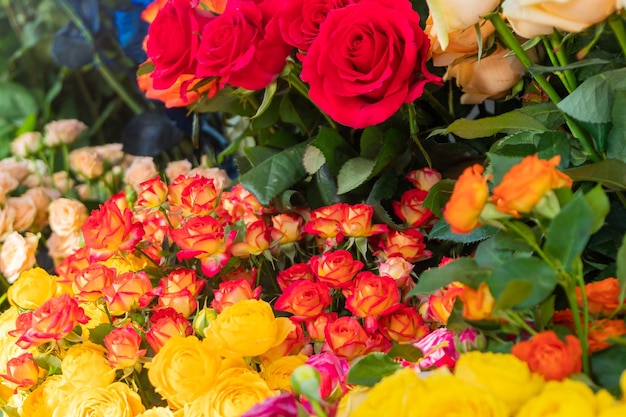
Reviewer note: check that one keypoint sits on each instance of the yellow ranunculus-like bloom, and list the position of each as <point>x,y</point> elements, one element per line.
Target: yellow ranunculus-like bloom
<point>506,377</point>
<point>352,400</point>
<point>277,373</point>
<point>115,400</point>
<point>127,263</point>
<point>43,401</point>
<point>399,394</point>
<point>616,410</point>
<point>32,289</point>
<point>247,328</point>
<point>157,412</point>
<point>564,398</point>
<point>236,391</point>
<point>526,183</point>
<point>85,365</point>
<point>184,369</point>
<point>531,18</point>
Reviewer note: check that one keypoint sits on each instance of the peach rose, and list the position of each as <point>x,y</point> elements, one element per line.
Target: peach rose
<point>17,254</point>
<point>462,43</point>
<point>219,176</point>
<point>37,174</point>
<point>26,144</point>
<point>111,153</point>
<point>62,181</point>
<point>177,168</point>
<point>86,163</point>
<point>531,18</point>
<point>7,215</point>
<point>16,169</point>
<point>7,184</point>
<point>468,199</point>
<point>61,246</point>
<point>491,77</point>
<point>25,212</point>
<point>42,198</point>
<point>63,132</point>
<point>142,168</point>
<point>66,216</point>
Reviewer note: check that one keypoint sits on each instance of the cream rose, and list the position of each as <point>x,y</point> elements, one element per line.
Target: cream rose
<point>530,18</point>
<point>86,162</point>
<point>17,169</point>
<point>7,215</point>
<point>8,183</point>
<point>26,144</point>
<point>62,181</point>
<point>41,197</point>
<point>491,77</point>
<point>17,254</point>
<point>462,43</point>
<point>66,215</point>
<point>25,212</point>
<point>38,174</point>
<point>63,132</point>
<point>176,168</point>
<point>62,246</point>
<point>457,15</point>
<point>220,178</point>
<point>142,168</point>
<point>112,153</point>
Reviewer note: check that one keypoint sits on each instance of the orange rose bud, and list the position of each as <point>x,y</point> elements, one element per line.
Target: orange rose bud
<point>315,326</point>
<point>440,305</point>
<point>336,268</point>
<point>372,295</point>
<point>89,282</point>
<point>178,290</point>
<point>410,209</point>
<point>153,194</point>
<point>304,299</point>
<point>526,183</point>
<point>326,223</point>
<point>123,347</point>
<point>286,228</point>
<point>296,272</point>
<point>356,221</point>
<point>404,325</point>
<point>230,292</point>
<point>469,196</point>
<point>548,355</point>
<point>408,244</point>
<point>258,239</point>
<point>164,324</point>
<point>127,291</point>
<point>477,303</point>
<point>601,331</point>
<point>424,178</point>
<point>346,337</point>
<point>239,204</point>
<point>602,296</point>
<point>22,371</point>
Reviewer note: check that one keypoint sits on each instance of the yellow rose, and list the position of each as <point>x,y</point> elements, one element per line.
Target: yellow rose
<point>236,391</point>
<point>85,365</point>
<point>247,328</point>
<point>183,370</point>
<point>531,18</point>
<point>352,400</point>
<point>32,289</point>
<point>616,410</point>
<point>127,263</point>
<point>17,255</point>
<point>43,401</point>
<point>97,316</point>
<point>491,77</point>
<point>116,400</point>
<point>7,320</point>
<point>157,412</point>
<point>456,15</point>
<point>506,377</point>
<point>399,394</point>
<point>277,373</point>
<point>561,399</point>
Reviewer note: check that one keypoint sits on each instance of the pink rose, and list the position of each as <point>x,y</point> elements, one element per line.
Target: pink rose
<point>173,39</point>
<point>243,45</point>
<point>368,59</point>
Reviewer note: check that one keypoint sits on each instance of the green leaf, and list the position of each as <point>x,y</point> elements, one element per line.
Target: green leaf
<point>546,113</point>
<point>371,369</point>
<point>405,351</point>
<point>610,173</point>
<point>600,206</point>
<point>441,231</point>
<point>333,146</point>
<point>258,154</point>
<point>438,196</point>
<point>49,362</point>
<point>464,270</point>
<point>275,174</point>
<point>569,232</point>
<point>514,121</point>
<point>607,366</point>
<point>620,261</point>
<point>16,102</point>
<point>541,69</point>
<point>372,140</point>
<point>544,313</point>
<point>541,278</point>
<point>354,173</point>
<point>268,96</point>
<point>500,249</point>
<point>514,293</point>
<point>289,113</point>
<point>313,159</point>
<point>98,333</point>
<point>500,165</point>
<point>616,139</point>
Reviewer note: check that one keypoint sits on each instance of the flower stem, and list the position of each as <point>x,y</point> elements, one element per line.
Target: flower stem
<point>511,42</point>
<point>570,79</point>
<point>99,63</point>
<point>297,83</point>
<point>582,330</point>
<point>414,129</point>
<point>617,25</point>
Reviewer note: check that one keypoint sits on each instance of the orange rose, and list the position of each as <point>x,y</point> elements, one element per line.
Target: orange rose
<point>258,239</point>
<point>240,204</point>
<point>372,295</point>
<point>178,290</point>
<point>199,197</point>
<point>315,327</point>
<point>408,244</point>
<point>526,183</point>
<point>404,325</point>
<point>477,303</point>
<point>123,347</point>
<point>410,209</point>
<point>109,230</point>
<point>602,296</point>
<point>467,201</point>
<point>440,304</point>
<point>286,228</point>
<point>172,96</point>
<point>346,337</point>
<point>89,282</point>
<point>601,331</point>
<point>336,268</point>
<point>399,269</point>
<point>292,345</point>
<point>304,299</point>
<point>230,292</point>
<point>548,355</point>
<point>22,371</point>
<point>153,193</point>
<point>164,324</point>
<point>356,221</point>
<point>51,321</point>
<point>127,291</point>
<point>296,272</point>
<point>325,222</point>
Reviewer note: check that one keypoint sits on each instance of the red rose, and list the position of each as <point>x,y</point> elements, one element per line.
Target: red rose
<point>173,39</point>
<point>243,45</point>
<point>368,59</point>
